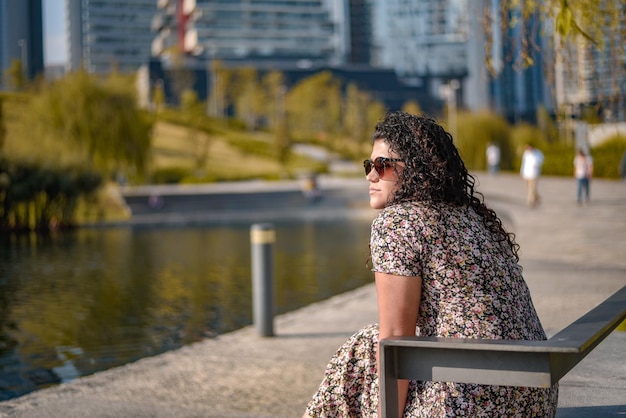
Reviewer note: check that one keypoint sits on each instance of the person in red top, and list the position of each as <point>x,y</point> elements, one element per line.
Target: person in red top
<point>583,170</point>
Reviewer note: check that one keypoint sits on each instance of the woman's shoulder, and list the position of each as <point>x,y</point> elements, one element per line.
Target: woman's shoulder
<point>423,214</point>
<point>411,212</point>
<point>407,208</point>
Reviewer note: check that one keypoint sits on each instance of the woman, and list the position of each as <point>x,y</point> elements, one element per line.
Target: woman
<point>443,266</point>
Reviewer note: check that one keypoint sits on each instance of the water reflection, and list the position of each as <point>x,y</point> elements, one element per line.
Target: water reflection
<point>75,303</point>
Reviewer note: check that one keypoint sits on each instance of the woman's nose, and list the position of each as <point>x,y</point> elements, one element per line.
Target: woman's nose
<point>372,176</point>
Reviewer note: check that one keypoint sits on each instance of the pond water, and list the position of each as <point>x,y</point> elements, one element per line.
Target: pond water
<point>87,300</point>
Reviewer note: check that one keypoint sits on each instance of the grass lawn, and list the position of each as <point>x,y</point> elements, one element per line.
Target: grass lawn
<point>220,156</point>
<point>180,147</point>
<point>194,155</point>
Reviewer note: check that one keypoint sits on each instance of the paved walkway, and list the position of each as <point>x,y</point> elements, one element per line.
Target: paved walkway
<point>573,258</point>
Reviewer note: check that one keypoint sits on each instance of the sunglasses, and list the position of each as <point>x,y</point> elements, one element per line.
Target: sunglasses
<point>379,164</point>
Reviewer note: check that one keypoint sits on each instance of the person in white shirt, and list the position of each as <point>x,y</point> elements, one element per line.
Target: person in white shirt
<point>532,161</point>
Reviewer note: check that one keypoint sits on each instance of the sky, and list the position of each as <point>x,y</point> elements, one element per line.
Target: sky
<point>55,51</point>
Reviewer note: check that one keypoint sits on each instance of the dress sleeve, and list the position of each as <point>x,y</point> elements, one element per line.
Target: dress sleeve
<point>394,242</point>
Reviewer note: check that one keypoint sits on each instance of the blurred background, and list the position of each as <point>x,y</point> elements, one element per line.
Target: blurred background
<point>101,97</point>
<point>261,77</point>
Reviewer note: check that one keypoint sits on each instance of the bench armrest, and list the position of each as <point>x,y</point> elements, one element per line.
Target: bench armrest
<point>495,362</point>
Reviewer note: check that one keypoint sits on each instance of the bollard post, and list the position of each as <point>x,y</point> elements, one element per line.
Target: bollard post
<point>262,238</point>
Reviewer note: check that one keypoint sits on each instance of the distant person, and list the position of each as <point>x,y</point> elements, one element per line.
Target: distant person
<point>310,189</point>
<point>493,158</point>
<point>156,201</point>
<point>444,266</point>
<point>532,161</point>
<point>583,170</point>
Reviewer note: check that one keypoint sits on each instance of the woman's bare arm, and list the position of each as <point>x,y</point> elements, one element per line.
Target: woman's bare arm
<point>398,307</point>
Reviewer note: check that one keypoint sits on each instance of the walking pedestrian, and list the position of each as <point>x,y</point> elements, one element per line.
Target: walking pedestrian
<point>530,170</point>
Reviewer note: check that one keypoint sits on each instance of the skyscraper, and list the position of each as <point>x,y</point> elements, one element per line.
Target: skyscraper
<point>297,37</point>
<point>420,38</point>
<point>21,37</point>
<point>424,42</point>
<point>252,30</point>
<point>470,45</point>
<point>360,32</point>
<point>110,34</point>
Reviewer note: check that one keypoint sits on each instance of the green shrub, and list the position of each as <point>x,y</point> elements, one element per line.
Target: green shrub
<point>38,197</point>
<point>607,157</point>
<point>249,145</point>
<point>170,175</point>
<point>475,131</point>
<point>559,160</point>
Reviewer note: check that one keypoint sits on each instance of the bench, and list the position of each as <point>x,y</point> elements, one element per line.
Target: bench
<point>495,362</point>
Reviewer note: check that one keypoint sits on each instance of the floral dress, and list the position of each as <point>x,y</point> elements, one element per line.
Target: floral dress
<point>472,288</point>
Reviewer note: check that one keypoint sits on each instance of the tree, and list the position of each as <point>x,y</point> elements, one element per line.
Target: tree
<point>3,131</point>
<point>193,112</point>
<point>182,77</point>
<point>598,22</point>
<point>248,97</point>
<point>276,114</point>
<point>221,81</point>
<point>585,34</point>
<point>361,114</point>
<point>275,90</point>
<point>36,197</point>
<point>375,111</point>
<point>412,107</point>
<point>15,75</point>
<point>314,107</point>
<point>158,97</point>
<point>546,125</point>
<point>355,117</point>
<point>99,119</point>
<point>594,20</point>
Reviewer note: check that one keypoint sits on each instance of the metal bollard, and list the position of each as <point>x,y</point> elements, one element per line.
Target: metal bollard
<point>262,238</point>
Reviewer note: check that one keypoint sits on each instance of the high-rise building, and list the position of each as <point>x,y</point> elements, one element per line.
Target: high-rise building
<point>297,37</point>
<point>21,37</point>
<point>277,30</point>
<point>420,38</point>
<point>447,45</point>
<point>424,42</point>
<point>476,85</point>
<point>110,34</point>
<point>360,32</point>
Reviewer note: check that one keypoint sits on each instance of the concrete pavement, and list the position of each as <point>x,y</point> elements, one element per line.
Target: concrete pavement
<point>573,258</point>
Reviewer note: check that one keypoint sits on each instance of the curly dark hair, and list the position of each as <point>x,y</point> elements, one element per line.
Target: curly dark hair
<point>434,171</point>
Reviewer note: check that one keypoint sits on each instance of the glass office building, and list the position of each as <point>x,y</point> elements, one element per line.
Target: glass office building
<point>110,34</point>
<point>290,30</point>
<point>21,38</point>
